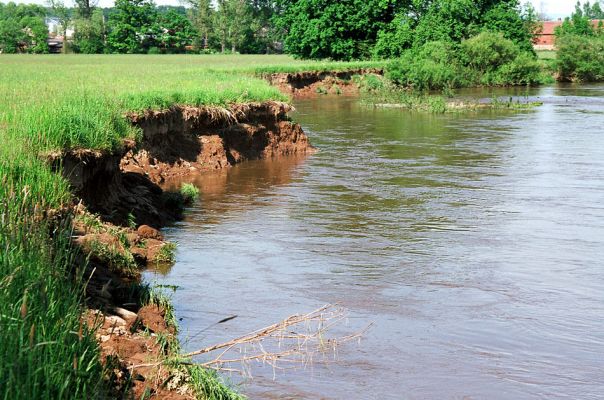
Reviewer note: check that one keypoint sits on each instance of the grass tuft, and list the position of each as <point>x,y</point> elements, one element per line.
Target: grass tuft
<point>189,193</point>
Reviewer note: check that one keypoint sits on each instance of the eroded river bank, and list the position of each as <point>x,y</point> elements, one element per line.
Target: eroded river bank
<point>473,241</point>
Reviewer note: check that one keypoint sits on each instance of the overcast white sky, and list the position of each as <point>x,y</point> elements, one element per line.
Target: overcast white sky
<point>552,8</point>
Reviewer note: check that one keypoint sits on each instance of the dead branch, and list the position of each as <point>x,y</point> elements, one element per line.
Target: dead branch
<point>280,343</point>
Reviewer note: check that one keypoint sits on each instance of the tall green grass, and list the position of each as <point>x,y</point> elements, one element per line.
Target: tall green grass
<point>45,351</point>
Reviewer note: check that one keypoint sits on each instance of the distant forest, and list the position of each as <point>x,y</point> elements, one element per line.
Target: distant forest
<point>316,29</point>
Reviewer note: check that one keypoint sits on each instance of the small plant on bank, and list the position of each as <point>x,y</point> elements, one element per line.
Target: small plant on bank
<point>118,260</point>
<point>131,220</point>
<point>166,254</point>
<point>189,193</point>
<point>321,90</point>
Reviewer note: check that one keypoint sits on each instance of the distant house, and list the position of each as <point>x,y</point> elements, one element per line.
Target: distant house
<point>546,39</point>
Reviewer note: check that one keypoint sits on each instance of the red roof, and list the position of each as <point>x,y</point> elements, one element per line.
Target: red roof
<point>549,27</point>
<point>546,37</point>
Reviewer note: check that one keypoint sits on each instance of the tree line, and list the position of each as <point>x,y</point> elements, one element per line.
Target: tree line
<point>139,26</point>
<point>316,29</point>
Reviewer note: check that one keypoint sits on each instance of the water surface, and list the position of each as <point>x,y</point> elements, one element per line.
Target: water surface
<point>474,242</point>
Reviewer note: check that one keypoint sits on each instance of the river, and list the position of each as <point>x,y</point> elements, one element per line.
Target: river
<point>474,243</point>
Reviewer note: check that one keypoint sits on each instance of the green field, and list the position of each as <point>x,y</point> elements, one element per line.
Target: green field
<point>55,102</point>
<point>78,100</point>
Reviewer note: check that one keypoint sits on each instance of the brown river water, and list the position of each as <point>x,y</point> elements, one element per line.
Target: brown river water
<point>474,242</point>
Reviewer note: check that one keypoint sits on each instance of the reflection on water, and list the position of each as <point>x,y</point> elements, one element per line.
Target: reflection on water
<point>472,241</point>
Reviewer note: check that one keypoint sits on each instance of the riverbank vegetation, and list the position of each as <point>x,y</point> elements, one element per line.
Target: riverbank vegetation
<point>57,103</point>
<point>580,45</point>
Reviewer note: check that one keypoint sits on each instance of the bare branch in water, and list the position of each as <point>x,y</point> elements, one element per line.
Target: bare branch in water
<point>297,341</point>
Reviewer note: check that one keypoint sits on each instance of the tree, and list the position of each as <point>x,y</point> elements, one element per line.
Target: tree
<point>132,26</point>
<point>579,22</point>
<point>85,8</point>
<point>11,35</point>
<point>240,18</point>
<point>593,11</point>
<point>423,21</point>
<point>201,15</point>
<point>89,36</point>
<point>36,34</point>
<point>22,28</point>
<point>220,22</point>
<point>176,32</point>
<point>514,22</point>
<point>341,30</point>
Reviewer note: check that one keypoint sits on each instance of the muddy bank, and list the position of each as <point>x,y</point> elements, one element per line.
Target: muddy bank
<point>121,207</point>
<point>126,185</point>
<point>312,84</point>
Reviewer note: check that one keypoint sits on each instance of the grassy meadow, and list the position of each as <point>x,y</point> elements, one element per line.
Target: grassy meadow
<point>54,102</point>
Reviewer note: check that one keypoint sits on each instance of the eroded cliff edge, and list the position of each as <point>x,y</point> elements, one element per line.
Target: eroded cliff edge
<point>121,205</point>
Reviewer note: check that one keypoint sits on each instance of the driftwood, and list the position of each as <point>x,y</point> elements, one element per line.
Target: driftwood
<point>278,345</point>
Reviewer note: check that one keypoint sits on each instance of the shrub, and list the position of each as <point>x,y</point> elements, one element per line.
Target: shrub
<point>488,51</point>
<point>524,70</point>
<point>432,66</point>
<point>486,59</point>
<point>580,58</point>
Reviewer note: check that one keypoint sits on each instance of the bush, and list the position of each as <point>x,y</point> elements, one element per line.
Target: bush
<point>580,58</point>
<point>485,59</point>
<point>524,70</point>
<point>488,51</point>
<point>433,66</point>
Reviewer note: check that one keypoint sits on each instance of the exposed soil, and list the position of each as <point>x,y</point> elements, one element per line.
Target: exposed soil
<point>181,141</point>
<point>186,140</point>
<point>313,84</point>
<point>121,189</point>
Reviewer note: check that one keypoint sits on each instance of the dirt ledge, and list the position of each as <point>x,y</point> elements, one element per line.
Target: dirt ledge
<point>121,207</point>
<point>313,84</point>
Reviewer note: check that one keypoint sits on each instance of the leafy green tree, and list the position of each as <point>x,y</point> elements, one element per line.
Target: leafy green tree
<point>176,32</point>
<point>201,16</point>
<point>89,36</point>
<point>11,35</point>
<point>424,21</point>
<point>132,26</point>
<point>22,28</point>
<point>241,19</point>
<point>232,22</point>
<point>85,8</point>
<point>221,23</point>
<point>488,51</point>
<point>514,22</point>
<point>341,30</point>
<point>580,58</point>
<point>580,22</point>
<point>36,34</point>
<point>593,11</point>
